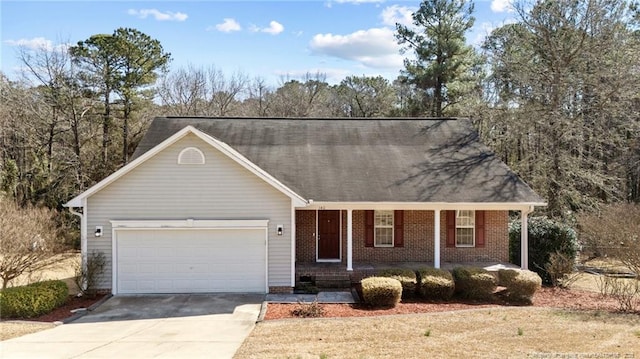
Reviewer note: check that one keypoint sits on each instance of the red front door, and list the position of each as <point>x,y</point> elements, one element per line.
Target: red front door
<point>328,234</point>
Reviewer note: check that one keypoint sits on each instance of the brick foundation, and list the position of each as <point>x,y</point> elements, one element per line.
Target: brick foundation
<point>281,290</point>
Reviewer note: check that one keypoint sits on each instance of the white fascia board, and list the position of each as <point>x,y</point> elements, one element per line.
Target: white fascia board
<point>77,201</point>
<point>191,223</point>
<point>252,167</point>
<point>423,205</point>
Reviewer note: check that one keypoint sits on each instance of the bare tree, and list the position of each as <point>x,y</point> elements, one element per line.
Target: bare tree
<point>224,91</point>
<point>182,92</point>
<point>28,240</point>
<point>259,101</point>
<point>614,231</point>
<point>564,82</point>
<point>366,96</point>
<point>301,98</point>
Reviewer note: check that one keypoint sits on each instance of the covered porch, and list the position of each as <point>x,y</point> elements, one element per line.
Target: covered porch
<point>423,245</point>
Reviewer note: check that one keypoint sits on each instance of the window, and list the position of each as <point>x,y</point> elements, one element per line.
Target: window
<point>383,229</point>
<point>465,228</point>
<point>191,156</point>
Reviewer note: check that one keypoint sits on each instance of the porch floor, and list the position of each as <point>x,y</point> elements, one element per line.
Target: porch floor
<point>362,270</point>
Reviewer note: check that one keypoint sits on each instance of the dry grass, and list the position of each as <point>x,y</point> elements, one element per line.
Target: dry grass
<point>63,269</point>
<point>484,333</point>
<point>10,330</point>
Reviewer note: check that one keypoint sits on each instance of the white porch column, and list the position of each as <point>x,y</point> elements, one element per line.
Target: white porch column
<point>349,239</point>
<point>436,238</point>
<point>524,240</point>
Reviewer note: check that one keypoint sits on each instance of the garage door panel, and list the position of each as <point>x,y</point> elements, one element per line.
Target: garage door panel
<point>186,261</point>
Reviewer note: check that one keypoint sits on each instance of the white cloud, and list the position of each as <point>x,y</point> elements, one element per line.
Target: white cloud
<point>274,28</point>
<point>228,25</point>
<point>375,47</point>
<point>37,43</point>
<point>158,15</point>
<point>398,14</point>
<point>502,5</point>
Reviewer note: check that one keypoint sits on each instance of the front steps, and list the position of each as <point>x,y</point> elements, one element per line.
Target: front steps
<point>333,280</point>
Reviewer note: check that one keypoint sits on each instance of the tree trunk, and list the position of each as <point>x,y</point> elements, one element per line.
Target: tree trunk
<point>125,130</point>
<point>106,125</point>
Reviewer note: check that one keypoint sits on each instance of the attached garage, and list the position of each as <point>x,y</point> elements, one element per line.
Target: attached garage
<point>190,256</point>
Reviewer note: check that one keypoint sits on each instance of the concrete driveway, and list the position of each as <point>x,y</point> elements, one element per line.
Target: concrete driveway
<point>150,326</point>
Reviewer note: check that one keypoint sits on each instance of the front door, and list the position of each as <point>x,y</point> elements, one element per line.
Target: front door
<point>328,235</point>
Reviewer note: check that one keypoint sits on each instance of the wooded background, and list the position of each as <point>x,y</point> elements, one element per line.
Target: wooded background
<point>555,95</point>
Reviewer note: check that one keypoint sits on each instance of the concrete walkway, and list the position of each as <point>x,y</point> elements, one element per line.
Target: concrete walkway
<point>321,297</point>
<point>150,326</point>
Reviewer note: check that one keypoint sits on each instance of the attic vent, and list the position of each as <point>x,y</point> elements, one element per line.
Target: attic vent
<point>191,156</point>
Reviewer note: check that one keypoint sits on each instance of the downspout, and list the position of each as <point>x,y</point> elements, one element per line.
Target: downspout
<point>83,242</point>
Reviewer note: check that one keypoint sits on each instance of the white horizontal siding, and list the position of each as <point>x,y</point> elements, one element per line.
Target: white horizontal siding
<point>220,189</point>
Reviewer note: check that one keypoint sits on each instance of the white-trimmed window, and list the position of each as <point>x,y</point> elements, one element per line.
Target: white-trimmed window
<point>191,156</point>
<point>465,228</point>
<point>383,229</point>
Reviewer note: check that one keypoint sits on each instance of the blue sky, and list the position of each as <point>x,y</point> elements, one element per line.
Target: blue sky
<point>269,39</point>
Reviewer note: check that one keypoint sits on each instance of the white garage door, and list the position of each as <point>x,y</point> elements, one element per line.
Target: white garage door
<point>191,261</point>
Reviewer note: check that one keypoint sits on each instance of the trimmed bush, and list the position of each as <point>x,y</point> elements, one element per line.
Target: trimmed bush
<point>407,279</point>
<point>546,236</point>
<point>381,291</point>
<point>34,299</point>
<point>521,284</point>
<point>436,284</point>
<point>474,283</point>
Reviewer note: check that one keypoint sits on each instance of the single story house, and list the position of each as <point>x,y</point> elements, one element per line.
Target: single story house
<point>237,204</point>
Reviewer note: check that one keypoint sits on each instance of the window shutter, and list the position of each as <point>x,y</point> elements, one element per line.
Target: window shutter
<point>451,228</point>
<point>398,230</point>
<point>368,228</point>
<point>480,229</point>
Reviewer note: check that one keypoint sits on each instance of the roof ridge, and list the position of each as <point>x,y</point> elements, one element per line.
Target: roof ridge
<point>315,118</point>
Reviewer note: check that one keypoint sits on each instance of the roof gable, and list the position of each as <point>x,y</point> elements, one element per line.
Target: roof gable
<point>364,160</point>
<point>220,146</point>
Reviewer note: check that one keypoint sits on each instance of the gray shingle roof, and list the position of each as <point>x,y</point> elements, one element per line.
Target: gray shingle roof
<point>365,160</point>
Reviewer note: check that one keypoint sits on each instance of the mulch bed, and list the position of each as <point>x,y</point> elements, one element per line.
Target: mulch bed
<point>64,311</point>
<point>545,297</point>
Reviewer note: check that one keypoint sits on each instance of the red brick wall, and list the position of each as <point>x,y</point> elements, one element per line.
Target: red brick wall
<point>418,239</point>
<point>305,236</point>
<point>496,224</point>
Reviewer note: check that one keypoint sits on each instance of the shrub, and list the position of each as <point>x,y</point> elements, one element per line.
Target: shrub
<point>34,299</point>
<point>473,283</point>
<point>561,270</point>
<point>407,279</point>
<point>381,291</point>
<point>308,310</point>
<point>545,237</point>
<point>435,284</point>
<point>87,276</point>
<point>626,291</point>
<point>521,284</point>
